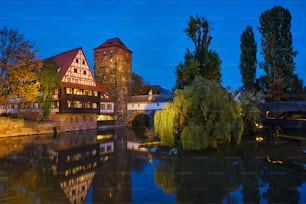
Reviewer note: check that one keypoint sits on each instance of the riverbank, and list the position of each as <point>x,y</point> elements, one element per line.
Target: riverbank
<point>12,127</point>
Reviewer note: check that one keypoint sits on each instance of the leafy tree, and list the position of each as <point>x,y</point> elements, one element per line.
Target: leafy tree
<point>202,115</point>
<point>140,87</point>
<point>248,59</point>
<point>276,42</point>
<point>202,61</point>
<point>17,66</point>
<point>49,80</point>
<point>249,103</point>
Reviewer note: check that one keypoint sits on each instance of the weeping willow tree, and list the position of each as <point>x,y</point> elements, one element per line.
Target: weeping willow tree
<point>165,174</point>
<point>201,116</point>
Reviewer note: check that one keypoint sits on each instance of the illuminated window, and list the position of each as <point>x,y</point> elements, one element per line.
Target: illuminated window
<point>95,93</point>
<point>68,90</point>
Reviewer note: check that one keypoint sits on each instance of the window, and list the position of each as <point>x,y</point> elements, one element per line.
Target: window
<point>103,106</point>
<point>68,90</point>
<point>84,72</point>
<point>109,106</point>
<point>83,62</point>
<point>75,70</point>
<point>104,52</point>
<point>77,60</point>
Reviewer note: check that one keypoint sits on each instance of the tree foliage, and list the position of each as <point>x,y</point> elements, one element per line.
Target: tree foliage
<point>202,61</point>
<point>49,80</point>
<point>203,115</point>
<point>277,49</point>
<point>140,87</point>
<point>249,103</point>
<point>18,64</point>
<point>248,59</point>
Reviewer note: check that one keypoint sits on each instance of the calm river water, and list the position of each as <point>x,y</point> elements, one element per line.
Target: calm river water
<point>109,167</point>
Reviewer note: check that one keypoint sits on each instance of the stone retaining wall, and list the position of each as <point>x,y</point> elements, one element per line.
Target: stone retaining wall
<point>56,123</point>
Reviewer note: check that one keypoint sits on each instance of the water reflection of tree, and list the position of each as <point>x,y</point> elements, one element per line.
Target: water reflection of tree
<point>211,177</point>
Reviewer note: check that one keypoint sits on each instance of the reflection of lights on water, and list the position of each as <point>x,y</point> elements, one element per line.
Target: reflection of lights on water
<point>259,139</point>
<point>258,125</point>
<point>274,161</point>
<point>103,137</point>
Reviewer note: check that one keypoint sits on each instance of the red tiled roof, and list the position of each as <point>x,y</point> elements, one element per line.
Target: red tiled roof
<point>64,59</point>
<point>113,42</point>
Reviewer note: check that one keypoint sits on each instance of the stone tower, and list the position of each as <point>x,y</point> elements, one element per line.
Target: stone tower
<point>113,68</point>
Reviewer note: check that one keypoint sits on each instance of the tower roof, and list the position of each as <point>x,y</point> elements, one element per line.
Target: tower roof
<point>113,42</point>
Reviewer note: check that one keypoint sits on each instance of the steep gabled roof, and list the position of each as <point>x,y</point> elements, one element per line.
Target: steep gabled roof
<point>65,59</point>
<point>113,42</point>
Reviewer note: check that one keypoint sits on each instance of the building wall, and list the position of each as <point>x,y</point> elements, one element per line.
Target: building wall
<point>113,68</point>
<point>74,121</point>
<point>146,106</point>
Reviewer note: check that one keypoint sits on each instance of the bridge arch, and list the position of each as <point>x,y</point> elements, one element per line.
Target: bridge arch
<point>141,119</point>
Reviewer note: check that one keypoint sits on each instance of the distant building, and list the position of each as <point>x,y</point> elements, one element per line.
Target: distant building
<point>113,68</point>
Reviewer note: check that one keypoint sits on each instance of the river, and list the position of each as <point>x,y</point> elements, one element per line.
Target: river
<point>110,167</point>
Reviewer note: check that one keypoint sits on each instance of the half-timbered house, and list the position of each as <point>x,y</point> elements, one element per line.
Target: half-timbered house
<point>78,101</point>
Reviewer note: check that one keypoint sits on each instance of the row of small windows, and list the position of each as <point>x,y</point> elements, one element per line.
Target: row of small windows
<point>107,106</point>
<point>79,81</point>
<point>81,92</point>
<point>80,168</point>
<point>111,52</point>
<point>75,70</point>
<point>54,104</point>
<point>80,104</point>
<point>79,156</point>
<point>105,52</point>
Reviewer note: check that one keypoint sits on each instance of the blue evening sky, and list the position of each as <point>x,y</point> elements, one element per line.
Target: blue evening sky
<point>153,30</point>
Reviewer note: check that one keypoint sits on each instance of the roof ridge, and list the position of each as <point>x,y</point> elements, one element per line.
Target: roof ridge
<point>116,41</point>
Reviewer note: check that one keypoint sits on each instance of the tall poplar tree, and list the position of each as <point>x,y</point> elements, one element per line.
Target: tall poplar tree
<point>248,61</point>
<point>277,49</point>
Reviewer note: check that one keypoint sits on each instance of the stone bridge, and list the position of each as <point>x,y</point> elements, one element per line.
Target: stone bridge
<point>141,117</point>
<point>141,109</point>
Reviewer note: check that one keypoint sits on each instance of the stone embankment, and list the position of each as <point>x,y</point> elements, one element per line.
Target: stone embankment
<point>10,127</point>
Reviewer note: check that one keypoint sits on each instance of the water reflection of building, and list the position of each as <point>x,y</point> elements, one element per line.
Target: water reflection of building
<point>75,161</point>
<point>96,166</point>
<point>112,182</point>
